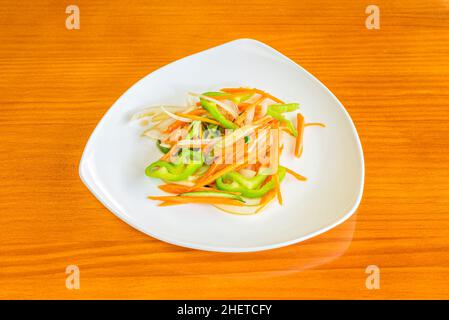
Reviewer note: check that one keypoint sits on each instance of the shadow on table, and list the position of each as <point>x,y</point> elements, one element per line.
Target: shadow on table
<point>294,258</point>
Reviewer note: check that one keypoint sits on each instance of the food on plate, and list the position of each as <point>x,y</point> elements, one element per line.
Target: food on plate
<point>223,148</point>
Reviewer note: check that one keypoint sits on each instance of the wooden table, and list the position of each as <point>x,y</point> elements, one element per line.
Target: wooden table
<point>57,83</point>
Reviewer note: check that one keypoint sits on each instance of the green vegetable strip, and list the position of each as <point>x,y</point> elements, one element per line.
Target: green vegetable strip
<point>212,108</point>
<point>161,148</point>
<point>234,186</point>
<point>179,171</point>
<point>288,107</point>
<point>242,97</point>
<point>160,170</point>
<point>250,183</point>
<point>281,118</point>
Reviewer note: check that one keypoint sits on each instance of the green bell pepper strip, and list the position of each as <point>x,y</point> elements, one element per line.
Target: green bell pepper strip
<point>215,94</point>
<point>167,171</point>
<point>212,108</point>
<point>234,186</point>
<point>242,97</point>
<point>288,107</point>
<point>250,183</point>
<point>237,98</point>
<point>161,148</point>
<point>176,171</point>
<point>280,117</point>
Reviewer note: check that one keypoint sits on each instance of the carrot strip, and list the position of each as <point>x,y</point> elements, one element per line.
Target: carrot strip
<point>174,188</point>
<point>195,117</point>
<point>197,112</point>
<point>276,175</point>
<point>210,171</point>
<point>227,97</point>
<point>175,125</point>
<point>243,106</point>
<point>218,174</point>
<point>179,123</point>
<point>184,199</point>
<point>266,199</point>
<point>253,90</point>
<point>315,124</point>
<point>167,155</point>
<point>268,95</point>
<point>168,203</point>
<point>278,188</point>
<point>295,174</point>
<point>173,148</point>
<point>300,129</point>
<point>263,120</point>
<point>178,189</point>
<point>235,90</point>
<point>242,116</point>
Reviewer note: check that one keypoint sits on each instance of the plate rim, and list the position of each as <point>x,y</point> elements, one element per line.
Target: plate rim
<point>213,248</point>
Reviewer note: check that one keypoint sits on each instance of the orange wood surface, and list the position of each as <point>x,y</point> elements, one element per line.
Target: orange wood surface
<point>56,84</point>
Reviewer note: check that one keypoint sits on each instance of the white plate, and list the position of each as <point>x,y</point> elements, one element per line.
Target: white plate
<point>113,162</point>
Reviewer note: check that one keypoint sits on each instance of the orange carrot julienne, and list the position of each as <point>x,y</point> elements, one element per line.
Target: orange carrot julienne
<point>195,117</point>
<point>295,174</point>
<point>278,188</point>
<point>168,203</point>
<point>300,129</point>
<point>178,189</point>
<point>210,171</point>
<point>218,174</point>
<point>235,90</point>
<point>197,112</point>
<point>173,148</point>
<point>186,199</point>
<point>263,120</point>
<point>242,116</point>
<point>167,155</point>
<point>276,175</point>
<point>243,106</point>
<point>267,199</point>
<point>175,188</point>
<point>178,123</point>
<point>174,126</point>
<point>253,90</point>
<point>268,95</point>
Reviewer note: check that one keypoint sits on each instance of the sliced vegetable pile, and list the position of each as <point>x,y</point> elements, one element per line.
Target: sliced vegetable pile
<point>223,148</point>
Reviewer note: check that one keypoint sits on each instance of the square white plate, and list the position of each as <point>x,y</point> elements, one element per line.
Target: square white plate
<point>115,157</point>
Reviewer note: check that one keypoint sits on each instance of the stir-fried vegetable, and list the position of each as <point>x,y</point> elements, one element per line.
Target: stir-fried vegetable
<point>212,108</point>
<point>223,148</point>
<point>162,148</point>
<point>212,194</point>
<point>244,190</point>
<point>280,117</point>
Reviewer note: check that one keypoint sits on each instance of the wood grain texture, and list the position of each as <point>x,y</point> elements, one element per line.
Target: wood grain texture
<point>56,84</point>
